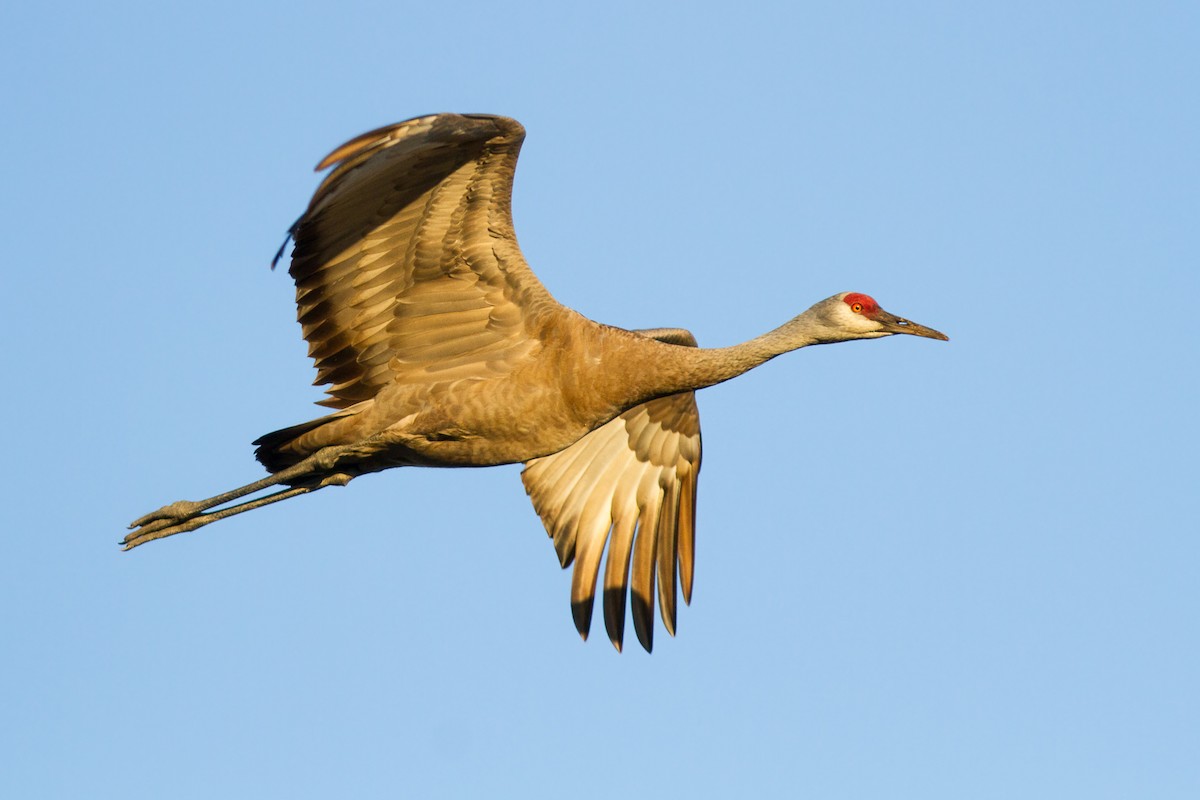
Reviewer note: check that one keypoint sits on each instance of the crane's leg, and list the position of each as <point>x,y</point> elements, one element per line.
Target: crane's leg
<point>160,528</point>
<point>314,472</point>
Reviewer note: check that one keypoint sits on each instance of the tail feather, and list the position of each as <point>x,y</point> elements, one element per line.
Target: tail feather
<point>272,451</point>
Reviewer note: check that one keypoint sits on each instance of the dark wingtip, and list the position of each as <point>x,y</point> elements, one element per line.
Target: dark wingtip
<point>581,612</point>
<point>287,237</point>
<point>643,621</point>
<point>614,616</point>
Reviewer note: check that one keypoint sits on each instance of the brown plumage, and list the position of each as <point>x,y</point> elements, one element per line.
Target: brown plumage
<point>441,348</point>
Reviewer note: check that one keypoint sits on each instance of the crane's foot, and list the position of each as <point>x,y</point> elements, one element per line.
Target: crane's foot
<point>172,512</point>
<point>160,527</point>
<point>170,519</point>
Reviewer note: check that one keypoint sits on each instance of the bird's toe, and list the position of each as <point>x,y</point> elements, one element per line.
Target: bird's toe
<point>172,512</point>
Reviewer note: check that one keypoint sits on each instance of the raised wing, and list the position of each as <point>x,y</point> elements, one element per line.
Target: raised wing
<point>406,263</point>
<point>630,483</point>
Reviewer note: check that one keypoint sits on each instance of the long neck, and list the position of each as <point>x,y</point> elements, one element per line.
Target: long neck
<point>678,369</point>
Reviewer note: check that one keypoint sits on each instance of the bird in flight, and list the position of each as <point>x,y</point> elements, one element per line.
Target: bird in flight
<point>441,348</point>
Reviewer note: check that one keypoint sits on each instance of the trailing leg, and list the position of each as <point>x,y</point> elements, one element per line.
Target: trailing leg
<point>306,476</point>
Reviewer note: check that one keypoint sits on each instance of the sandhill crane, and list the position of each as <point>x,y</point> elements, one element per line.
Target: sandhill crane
<point>444,350</point>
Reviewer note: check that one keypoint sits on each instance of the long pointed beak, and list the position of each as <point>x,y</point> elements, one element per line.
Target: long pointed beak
<point>893,324</point>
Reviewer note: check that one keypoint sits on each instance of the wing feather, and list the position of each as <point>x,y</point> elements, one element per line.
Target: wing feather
<point>668,555</point>
<point>641,581</point>
<point>631,485</point>
<point>406,263</point>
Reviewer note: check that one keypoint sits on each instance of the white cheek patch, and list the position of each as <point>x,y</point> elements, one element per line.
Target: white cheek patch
<point>855,322</point>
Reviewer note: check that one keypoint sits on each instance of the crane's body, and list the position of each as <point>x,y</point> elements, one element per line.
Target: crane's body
<point>444,350</point>
<point>561,389</point>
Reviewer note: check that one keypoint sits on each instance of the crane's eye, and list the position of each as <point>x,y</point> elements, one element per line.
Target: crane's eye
<point>856,308</point>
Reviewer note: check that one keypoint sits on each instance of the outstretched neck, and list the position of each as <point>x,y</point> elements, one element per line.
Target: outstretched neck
<point>694,368</point>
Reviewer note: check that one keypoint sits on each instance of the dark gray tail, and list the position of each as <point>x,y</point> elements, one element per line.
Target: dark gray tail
<point>271,448</point>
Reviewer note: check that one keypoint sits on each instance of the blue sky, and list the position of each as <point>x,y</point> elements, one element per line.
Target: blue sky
<point>923,569</point>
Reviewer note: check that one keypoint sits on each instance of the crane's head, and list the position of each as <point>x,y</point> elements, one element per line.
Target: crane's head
<point>853,315</point>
